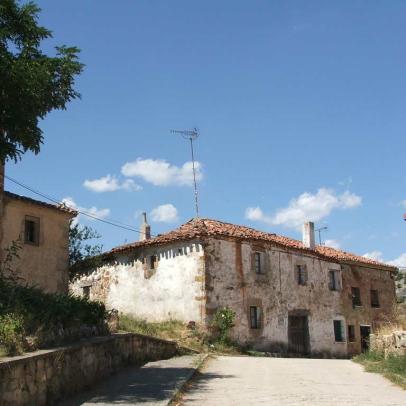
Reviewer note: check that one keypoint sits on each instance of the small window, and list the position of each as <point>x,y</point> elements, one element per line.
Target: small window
<point>334,280</point>
<point>374,298</point>
<point>338,331</point>
<point>31,230</point>
<point>86,292</point>
<point>351,333</point>
<point>301,274</point>
<point>153,261</point>
<point>356,297</point>
<point>255,317</point>
<point>258,265</point>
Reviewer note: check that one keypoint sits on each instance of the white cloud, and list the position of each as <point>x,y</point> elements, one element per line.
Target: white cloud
<point>307,207</point>
<point>333,244</point>
<point>375,255</point>
<point>94,211</point>
<point>110,184</point>
<point>400,261</point>
<point>255,214</point>
<point>403,203</point>
<point>161,173</point>
<point>166,213</point>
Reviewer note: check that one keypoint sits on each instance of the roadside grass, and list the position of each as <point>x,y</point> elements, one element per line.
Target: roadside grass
<point>392,368</point>
<point>194,338</point>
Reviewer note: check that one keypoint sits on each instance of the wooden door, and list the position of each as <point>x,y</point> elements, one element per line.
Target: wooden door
<point>298,332</point>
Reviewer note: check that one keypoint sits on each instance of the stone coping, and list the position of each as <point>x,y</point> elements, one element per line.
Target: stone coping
<point>6,362</point>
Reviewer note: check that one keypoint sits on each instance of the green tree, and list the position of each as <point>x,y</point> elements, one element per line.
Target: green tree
<point>32,83</point>
<point>81,247</point>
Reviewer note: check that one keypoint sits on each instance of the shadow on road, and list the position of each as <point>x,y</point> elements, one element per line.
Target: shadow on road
<point>139,385</point>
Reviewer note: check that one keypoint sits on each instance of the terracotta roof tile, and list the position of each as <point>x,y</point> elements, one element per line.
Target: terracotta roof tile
<point>61,207</point>
<point>199,228</point>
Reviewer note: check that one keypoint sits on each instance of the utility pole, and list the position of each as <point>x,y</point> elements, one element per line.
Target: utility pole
<point>191,135</point>
<point>319,230</point>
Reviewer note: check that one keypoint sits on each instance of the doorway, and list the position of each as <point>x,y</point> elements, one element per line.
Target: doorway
<point>365,332</point>
<point>298,334</point>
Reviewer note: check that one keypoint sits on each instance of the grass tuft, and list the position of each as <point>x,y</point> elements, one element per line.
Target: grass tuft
<point>393,367</point>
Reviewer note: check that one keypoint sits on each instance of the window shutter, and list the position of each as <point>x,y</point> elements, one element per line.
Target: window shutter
<point>330,279</point>
<point>267,263</point>
<point>253,262</point>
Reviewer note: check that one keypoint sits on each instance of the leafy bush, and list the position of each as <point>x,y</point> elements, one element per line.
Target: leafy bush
<point>12,333</point>
<point>31,311</point>
<point>223,321</point>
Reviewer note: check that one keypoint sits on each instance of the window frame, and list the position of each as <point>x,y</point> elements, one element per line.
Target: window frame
<point>258,263</point>
<point>153,262</point>
<point>351,333</point>
<point>255,317</point>
<point>375,303</point>
<point>358,302</point>
<point>341,337</point>
<point>36,231</point>
<point>301,274</point>
<point>334,282</point>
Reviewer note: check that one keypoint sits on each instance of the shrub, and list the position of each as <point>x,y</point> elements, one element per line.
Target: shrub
<point>29,310</point>
<point>12,333</point>
<point>223,321</point>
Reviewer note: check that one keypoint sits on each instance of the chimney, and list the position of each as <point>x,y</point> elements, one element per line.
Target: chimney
<point>308,235</point>
<point>145,229</point>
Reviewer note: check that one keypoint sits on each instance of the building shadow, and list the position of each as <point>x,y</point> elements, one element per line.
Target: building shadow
<point>139,385</point>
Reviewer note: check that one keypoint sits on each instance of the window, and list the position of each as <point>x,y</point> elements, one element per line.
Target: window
<point>258,266</point>
<point>356,297</point>
<point>86,292</point>
<point>334,280</point>
<point>153,262</point>
<point>338,331</point>
<point>374,298</point>
<point>31,230</point>
<point>301,274</point>
<point>351,333</point>
<point>255,317</point>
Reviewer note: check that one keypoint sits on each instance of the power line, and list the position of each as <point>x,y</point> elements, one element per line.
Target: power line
<point>112,223</point>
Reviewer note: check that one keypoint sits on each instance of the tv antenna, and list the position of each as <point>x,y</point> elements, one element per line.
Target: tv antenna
<point>191,135</point>
<point>319,230</point>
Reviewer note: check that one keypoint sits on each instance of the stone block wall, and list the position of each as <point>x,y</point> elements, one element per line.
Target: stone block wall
<point>394,343</point>
<point>47,376</point>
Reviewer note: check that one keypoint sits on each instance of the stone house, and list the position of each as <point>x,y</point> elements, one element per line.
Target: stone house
<point>42,232</point>
<point>287,295</point>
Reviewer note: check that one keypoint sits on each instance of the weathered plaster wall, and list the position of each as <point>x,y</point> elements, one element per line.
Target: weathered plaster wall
<point>366,279</point>
<point>231,281</point>
<point>44,377</point>
<point>174,290</point>
<point>45,265</point>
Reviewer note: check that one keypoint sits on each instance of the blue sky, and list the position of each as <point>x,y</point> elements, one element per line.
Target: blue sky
<point>300,106</point>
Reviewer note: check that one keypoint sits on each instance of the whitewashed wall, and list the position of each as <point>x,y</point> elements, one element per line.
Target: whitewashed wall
<point>172,291</point>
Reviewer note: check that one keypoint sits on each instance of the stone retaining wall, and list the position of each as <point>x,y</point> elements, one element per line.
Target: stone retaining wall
<point>394,343</point>
<point>43,377</point>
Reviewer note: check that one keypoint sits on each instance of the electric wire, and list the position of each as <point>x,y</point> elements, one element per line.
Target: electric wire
<point>84,213</point>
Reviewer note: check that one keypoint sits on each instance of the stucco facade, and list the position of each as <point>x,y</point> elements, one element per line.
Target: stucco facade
<point>171,288</point>
<point>43,255</point>
<point>282,293</point>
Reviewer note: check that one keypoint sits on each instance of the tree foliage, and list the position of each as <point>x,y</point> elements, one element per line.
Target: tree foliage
<point>81,246</point>
<point>32,83</point>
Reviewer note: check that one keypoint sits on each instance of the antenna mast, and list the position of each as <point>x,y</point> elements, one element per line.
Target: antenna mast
<point>320,230</point>
<point>191,135</point>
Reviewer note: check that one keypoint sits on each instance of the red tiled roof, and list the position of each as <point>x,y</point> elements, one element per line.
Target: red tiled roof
<point>199,228</point>
<point>40,203</point>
